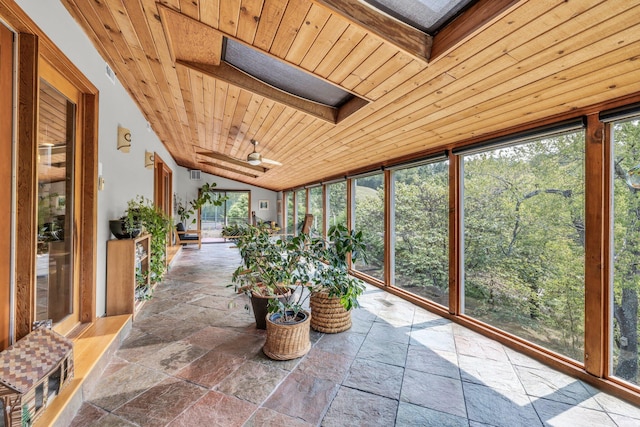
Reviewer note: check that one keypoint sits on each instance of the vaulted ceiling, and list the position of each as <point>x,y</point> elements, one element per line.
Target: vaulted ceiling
<point>499,64</point>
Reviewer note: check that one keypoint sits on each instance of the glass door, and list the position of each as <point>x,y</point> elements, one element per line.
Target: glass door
<point>235,210</point>
<point>56,290</point>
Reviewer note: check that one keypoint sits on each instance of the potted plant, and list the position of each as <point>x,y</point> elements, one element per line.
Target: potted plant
<point>142,214</point>
<point>335,292</point>
<point>288,323</point>
<point>255,277</point>
<point>282,271</point>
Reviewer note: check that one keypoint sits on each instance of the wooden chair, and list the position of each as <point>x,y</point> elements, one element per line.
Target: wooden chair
<point>306,225</point>
<point>185,237</point>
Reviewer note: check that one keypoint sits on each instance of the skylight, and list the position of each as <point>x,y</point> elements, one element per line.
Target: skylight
<point>283,76</point>
<point>425,15</point>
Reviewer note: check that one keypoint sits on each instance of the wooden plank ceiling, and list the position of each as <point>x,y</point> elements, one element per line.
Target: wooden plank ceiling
<point>500,64</point>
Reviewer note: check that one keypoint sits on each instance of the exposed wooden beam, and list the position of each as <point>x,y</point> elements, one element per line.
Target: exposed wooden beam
<point>231,160</point>
<point>231,75</point>
<point>227,168</point>
<point>478,16</point>
<point>411,41</point>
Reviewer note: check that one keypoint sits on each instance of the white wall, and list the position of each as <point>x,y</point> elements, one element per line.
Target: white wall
<point>124,173</point>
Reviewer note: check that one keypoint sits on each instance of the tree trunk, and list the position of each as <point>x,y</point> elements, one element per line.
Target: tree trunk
<point>626,313</point>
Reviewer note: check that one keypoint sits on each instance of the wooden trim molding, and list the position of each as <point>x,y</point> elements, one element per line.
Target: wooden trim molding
<point>455,245</point>
<point>26,182</point>
<point>595,351</point>
<point>6,156</point>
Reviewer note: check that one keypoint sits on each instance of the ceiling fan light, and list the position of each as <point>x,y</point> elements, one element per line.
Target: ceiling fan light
<point>254,162</point>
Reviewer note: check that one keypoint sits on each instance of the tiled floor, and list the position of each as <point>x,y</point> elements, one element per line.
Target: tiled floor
<point>194,358</point>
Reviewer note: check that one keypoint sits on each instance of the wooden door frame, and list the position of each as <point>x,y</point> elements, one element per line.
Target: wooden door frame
<point>162,196</point>
<point>32,45</point>
<point>6,188</point>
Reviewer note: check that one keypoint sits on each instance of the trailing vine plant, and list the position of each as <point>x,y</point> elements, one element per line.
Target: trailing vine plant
<point>141,212</point>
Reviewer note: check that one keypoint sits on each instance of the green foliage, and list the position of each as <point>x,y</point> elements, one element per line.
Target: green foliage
<point>300,265</point>
<point>626,250</point>
<point>239,210</point>
<point>205,197</point>
<point>142,212</point>
<point>523,237</point>
<point>273,266</point>
<point>337,209</point>
<point>332,274</point>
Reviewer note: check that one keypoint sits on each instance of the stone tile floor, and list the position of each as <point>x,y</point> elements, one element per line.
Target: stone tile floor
<point>194,358</point>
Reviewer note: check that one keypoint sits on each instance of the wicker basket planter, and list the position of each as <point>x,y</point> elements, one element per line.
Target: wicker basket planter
<point>329,316</point>
<point>286,341</point>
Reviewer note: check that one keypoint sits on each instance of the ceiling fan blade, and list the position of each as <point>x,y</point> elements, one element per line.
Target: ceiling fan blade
<point>271,162</point>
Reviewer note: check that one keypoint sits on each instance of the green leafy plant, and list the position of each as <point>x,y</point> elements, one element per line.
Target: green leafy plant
<point>279,266</point>
<point>141,212</point>
<point>332,275</point>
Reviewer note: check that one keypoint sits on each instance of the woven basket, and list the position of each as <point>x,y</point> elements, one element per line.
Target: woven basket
<point>287,341</point>
<point>329,316</point>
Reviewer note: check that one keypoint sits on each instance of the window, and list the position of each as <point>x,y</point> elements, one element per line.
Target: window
<point>337,203</point>
<point>291,226</point>
<point>234,211</point>
<point>427,16</point>
<point>626,249</point>
<point>524,240</point>
<point>316,202</point>
<point>282,75</point>
<point>369,218</point>
<point>301,208</point>
<point>421,230</point>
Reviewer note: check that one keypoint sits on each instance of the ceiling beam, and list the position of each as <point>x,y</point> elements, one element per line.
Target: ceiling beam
<point>411,41</point>
<point>227,168</point>
<point>478,16</point>
<point>233,76</point>
<point>232,160</point>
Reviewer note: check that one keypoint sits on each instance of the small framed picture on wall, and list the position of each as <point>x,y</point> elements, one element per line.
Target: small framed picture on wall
<point>263,205</point>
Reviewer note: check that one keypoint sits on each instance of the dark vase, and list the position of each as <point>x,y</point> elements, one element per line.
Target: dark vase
<point>259,304</point>
<point>118,228</point>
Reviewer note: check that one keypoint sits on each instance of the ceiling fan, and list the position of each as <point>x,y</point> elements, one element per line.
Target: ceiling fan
<point>256,158</point>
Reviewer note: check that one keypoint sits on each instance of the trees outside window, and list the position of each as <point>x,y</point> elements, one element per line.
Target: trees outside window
<point>626,249</point>
<point>421,231</point>
<point>315,201</point>
<point>337,203</point>
<point>369,218</point>
<point>291,226</point>
<point>301,208</point>
<point>524,241</point>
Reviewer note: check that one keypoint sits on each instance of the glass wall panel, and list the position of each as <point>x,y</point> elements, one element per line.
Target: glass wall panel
<point>337,203</point>
<point>524,241</point>
<point>421,232</point>
<point>234,211</point>
<point>291,225</point>
<point>369,218</point>
<point>301,208</point>
<point>626,249</point>
<point>315,199</point>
